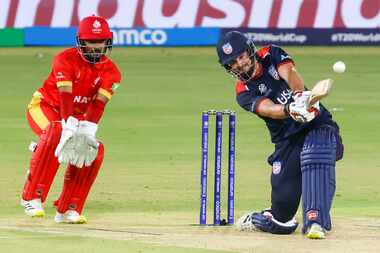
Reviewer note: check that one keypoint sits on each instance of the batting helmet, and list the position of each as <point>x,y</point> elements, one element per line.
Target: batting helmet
<point>94,29</point>
<point>230,47</point>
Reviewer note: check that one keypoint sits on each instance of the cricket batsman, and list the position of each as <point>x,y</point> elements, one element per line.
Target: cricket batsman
<point>306,139</point>
<point>65,113</point>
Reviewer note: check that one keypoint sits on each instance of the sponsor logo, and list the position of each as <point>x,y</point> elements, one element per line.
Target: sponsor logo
<point>312,215</point>
<point>60,75</point>
<point>185,13</point>
<point>283,57</point>
<point>276,167</point>
<point>81,100</point>
<point>227,48</point>
<point>96,81</point>
<point>140,37</point>
<point>273,72</point>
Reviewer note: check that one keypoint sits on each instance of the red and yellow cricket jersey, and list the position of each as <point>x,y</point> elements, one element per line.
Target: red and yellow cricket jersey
<point>86,80</point>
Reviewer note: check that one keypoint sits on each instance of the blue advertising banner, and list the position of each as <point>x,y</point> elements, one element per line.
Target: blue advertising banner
<point>46,36</point>
<point>299,36</point>
<point>166,37</point>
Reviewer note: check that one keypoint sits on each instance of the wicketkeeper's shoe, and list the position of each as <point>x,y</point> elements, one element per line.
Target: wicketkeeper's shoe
<point>70,217</point>
<point>315,231</point>
<point>33,208</point>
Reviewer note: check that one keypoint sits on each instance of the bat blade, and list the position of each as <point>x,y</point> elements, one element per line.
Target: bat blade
<point>320,90</point>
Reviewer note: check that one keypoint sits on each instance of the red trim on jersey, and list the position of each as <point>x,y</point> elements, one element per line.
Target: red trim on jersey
<point>263,52</point>
<point>66,104</point>
<point>240,87</point>
<point>95,111</point>
<point>258,102</point>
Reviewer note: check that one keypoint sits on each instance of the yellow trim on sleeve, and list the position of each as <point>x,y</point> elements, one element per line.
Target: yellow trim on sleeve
<point>64,84</point>
<point>105,93</point>
<point>36,112</point>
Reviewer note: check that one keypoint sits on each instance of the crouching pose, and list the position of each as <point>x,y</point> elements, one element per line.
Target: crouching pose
<point>307,141</point>
<point>64,113</point>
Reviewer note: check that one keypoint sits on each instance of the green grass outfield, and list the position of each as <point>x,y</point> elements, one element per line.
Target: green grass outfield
<point>146,197</point>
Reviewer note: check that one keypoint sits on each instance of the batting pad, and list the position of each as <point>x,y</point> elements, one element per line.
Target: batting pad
<point>43,165</point>
<point>318,176</point>
<point>77,184</point>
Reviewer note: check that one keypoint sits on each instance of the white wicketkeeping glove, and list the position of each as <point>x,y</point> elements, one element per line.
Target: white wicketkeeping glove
<point>65,148</point>
<point>85,144</point>
<point>300,113</point>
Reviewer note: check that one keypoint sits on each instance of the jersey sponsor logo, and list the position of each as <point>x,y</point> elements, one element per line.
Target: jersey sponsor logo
<point>276,167</point>
<point>273,72</point>
<point>227,48</point>
<point>60,75</point>
<point>284,96</point>
<point>284,57</point>
<point>312,215</point>
<point>96,81</point>
<point>262,88</point>
<point>81,100</point>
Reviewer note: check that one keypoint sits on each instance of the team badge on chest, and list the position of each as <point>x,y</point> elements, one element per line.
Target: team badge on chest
<point>273,72</point>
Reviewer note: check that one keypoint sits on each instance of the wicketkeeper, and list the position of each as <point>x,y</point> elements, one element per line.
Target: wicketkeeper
<point>64,113</point>
<point>307,140</point>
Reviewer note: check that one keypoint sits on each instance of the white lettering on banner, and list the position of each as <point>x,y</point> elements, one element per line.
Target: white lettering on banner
<point>234,12</point>
<point>87,8</point>
<point>26,13</point>
<point>62,18</point>
<point>4,10</point>
<point>260,14</point>
<point>184,16</point>
<point>325,16</point>
<point>353,18</point>
<point>282,37</point>
<point>192,13</point>
<point>289,16</point>
<point>125,14</point>
<point>355,37</point>
<point>143,37</point>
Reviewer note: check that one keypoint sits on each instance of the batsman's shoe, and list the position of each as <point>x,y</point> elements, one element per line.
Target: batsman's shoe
<point>70,217</point>
<point>316,232</point>
<point>33,208</point>
<point>245,223</point>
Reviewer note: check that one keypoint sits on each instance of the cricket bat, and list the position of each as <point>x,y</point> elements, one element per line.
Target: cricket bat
<point>320,90</point>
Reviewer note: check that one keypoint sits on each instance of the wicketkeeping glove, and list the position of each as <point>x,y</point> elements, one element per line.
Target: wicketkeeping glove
<point>65,149</point>
<point>86,145</point>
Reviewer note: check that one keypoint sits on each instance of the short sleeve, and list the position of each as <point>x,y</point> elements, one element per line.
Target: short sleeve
<point>62,70</point>
<point>111,81</point>
<point>246,98</point>
<point>279,56</point>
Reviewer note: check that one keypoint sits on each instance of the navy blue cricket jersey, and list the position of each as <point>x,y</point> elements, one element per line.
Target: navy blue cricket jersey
<point>270,85</point>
